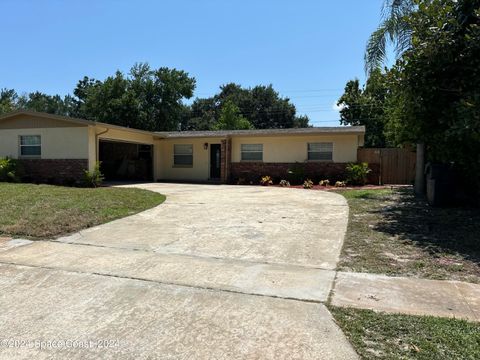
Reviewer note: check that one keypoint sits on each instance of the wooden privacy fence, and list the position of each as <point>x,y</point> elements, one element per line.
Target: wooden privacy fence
<point>389,165</point>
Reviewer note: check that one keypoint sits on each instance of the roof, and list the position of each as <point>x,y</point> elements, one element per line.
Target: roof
<point>265,132</point>
<point>199,134</point>
<point>69,119</point>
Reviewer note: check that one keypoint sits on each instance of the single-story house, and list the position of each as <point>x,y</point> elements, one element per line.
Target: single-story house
<point>58,148</point>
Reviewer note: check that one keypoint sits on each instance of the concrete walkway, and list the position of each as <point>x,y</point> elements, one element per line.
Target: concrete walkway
<point>291,282</point>
<point>407,295</point>
<point>220,272</point>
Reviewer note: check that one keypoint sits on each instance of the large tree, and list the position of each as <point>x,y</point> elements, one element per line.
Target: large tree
<point>8,100</point>
<point>36,101</point>
<point>231,119</point>
<point>53,104</point>
<point>365,106</point>
<point>261,105</point>
<point>145,99</point>
<point>435,85</point>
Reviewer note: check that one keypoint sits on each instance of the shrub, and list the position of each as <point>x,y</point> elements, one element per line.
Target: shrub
<point>296,173</point>
<point>324,182</point>
<point>357,173</point>
<point>340,184</point>
<point>9,170</point>
<point>284,183</point>
<point>266,180</point>
<point>308,184</point>
<point>93,178</point>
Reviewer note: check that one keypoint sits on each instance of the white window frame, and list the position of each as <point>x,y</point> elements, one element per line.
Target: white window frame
<point>21,146</point>
<point>244,150</point>
<point>177,152</point>
<point>325,151</point>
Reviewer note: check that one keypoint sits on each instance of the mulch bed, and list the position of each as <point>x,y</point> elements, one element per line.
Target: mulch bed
<point>333,188</point>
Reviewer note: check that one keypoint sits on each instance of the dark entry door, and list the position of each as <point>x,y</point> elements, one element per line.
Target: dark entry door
<point>215,156</point>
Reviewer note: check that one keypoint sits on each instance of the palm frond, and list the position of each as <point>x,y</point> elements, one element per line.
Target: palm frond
<point>375,53</point>
<point>393,29</point>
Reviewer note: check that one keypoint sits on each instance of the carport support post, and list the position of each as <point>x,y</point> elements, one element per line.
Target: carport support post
<point>419,186</point>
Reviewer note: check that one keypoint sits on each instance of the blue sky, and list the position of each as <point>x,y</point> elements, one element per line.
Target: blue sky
<point>306,49</point>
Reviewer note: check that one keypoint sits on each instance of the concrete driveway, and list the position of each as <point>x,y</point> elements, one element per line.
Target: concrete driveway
<point>223,272</point>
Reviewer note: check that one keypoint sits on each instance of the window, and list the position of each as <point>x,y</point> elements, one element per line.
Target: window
<point>252,152</point>
<point>320,151</point>
<point>183,155</point>
<point>30,145</point>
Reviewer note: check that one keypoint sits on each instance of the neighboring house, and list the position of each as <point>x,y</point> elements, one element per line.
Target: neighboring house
<point>57,148</point>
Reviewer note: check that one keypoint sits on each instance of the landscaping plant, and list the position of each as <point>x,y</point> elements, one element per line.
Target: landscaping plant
<point>324,182</point>
<point>93,178</point>
<point>9,170</point>
<point>296,173</point>
<point>357,173</point>
<point>284,183</point>
<point>340,184</point>
<point>266,180</point>
<point>308,184</point>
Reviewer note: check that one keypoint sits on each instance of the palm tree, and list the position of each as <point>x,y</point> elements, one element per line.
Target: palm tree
<point>394,29</point>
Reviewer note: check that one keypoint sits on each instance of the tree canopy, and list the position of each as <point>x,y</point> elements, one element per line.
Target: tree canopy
<point>435,86</point>
<point>261,105</point>
<point>365,106</point>
<point>432,93</point>
<point>155,99</point>
<point>231,119</point>
<point>145,99</point>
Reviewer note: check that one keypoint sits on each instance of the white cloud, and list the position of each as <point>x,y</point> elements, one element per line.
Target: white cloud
<point>336,107</point>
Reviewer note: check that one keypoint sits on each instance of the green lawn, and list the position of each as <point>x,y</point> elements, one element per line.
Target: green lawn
<point>45,211</point>
<point>386,336</point>
<point>391,232</point>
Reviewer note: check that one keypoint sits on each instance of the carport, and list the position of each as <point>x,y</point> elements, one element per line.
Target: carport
<point>121,160</point>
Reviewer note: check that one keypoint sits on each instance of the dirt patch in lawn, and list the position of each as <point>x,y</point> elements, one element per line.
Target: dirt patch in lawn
<point>392,232</point>
<point>45,211</point>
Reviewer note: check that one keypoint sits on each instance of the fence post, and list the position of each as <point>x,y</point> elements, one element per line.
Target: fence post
<point>419,186</point>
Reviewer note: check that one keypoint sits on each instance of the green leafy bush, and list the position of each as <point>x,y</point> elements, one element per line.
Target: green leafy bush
<point>296,173</point>
<point>357,173</point>
<point>9,170</point>
<point>93,178</point>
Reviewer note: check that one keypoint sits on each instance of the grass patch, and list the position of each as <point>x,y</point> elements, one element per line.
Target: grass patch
<point>386,336</point>
<point>46,211</point>
<point>391,232</point>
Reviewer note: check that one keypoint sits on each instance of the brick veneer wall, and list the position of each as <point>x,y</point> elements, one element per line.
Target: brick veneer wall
<point>252,171</point>
<point>55,171</point>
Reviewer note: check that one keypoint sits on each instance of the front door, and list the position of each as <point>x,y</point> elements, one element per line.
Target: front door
<point>215,154</point>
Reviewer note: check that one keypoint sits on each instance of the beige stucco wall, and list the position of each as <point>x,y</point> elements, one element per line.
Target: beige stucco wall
<point>294,148</point>
<point>275,149</point>
<point>67,140</point>
<point>57,143</point>
<point>200,171</point>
